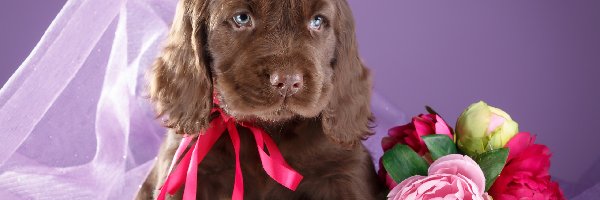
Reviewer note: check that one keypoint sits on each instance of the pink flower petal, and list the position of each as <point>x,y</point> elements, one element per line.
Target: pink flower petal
<point>459,164</point>
<point>421,189</point>
<point>518,144</point>
<point>423,126</point>
<point>436,186</point>
<point>441,127</point>
<point>398,131</point>
<point>404,184</point>
<point>495,121</point>
<point>526,174</point>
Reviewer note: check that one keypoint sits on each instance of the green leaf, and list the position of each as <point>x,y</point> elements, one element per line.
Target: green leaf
<point>492,162</point>
<point>430,110</point>
<point>402,162</point>
<point>439,145</point>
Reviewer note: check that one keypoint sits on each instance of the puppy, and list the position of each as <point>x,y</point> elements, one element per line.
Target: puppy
<point>290,66</point>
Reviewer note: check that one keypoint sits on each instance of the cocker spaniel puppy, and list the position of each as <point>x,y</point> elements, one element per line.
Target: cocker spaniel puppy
<point>292,67</point>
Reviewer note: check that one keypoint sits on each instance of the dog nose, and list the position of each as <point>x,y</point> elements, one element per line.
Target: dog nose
<point>286,84</point>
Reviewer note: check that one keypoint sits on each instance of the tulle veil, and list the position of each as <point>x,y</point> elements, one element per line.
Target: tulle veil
<point>75,122</point>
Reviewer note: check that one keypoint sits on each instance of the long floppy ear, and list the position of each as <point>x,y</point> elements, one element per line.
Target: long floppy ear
<point>180,81</point>
<point>348,116</point>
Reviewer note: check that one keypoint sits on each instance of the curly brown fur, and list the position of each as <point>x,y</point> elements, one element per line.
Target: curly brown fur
<point>317,113</point>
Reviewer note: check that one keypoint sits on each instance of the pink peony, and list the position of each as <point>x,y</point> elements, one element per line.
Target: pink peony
<point>410,134</point>
<point>453,176</point>
<point>525,174</point>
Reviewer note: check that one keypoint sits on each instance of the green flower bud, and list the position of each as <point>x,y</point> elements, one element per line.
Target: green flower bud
<point>482,128</point>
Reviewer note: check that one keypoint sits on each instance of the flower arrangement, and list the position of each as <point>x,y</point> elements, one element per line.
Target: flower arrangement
<point>485,158</point>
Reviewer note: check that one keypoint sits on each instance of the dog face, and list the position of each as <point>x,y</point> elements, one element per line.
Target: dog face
<point>271,60</point>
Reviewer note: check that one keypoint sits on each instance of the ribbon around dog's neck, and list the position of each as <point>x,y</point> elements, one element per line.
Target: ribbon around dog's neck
<point>186,171</point>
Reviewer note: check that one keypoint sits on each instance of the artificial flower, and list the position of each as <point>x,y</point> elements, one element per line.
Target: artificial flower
<point>453,176</point>
<point>482,128</point>
<point>526,175</point>
<point>410,134</point>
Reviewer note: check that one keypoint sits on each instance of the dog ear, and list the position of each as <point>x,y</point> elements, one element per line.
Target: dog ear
<point>348,116</point>
<point>180,81</point>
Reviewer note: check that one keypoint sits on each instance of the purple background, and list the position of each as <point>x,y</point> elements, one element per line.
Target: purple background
<point>535,59</point>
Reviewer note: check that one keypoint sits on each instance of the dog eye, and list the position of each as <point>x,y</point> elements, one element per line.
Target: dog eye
<point>242,19</point>
<point>316,22</point>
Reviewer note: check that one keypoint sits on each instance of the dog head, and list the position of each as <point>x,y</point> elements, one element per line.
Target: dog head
<point>269,60</point>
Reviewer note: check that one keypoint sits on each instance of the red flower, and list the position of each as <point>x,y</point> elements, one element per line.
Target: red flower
<point>410,134</point>
<point>525,174</point>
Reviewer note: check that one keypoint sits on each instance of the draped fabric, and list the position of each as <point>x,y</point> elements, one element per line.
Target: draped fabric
<point>75,122</point>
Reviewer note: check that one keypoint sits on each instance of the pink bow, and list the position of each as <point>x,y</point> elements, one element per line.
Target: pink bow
<point>187,169</point>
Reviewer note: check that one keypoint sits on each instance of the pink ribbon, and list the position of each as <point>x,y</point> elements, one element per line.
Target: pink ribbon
<point>186,171</point>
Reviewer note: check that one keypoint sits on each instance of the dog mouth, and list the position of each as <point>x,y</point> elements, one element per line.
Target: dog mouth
<point>281,110</point>
<point>281,114</point>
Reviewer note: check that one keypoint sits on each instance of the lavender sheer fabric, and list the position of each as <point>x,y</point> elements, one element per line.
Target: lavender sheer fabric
<point>74,120</point>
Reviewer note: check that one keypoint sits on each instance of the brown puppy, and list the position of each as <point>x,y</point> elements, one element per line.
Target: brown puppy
<point>291,65</point>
